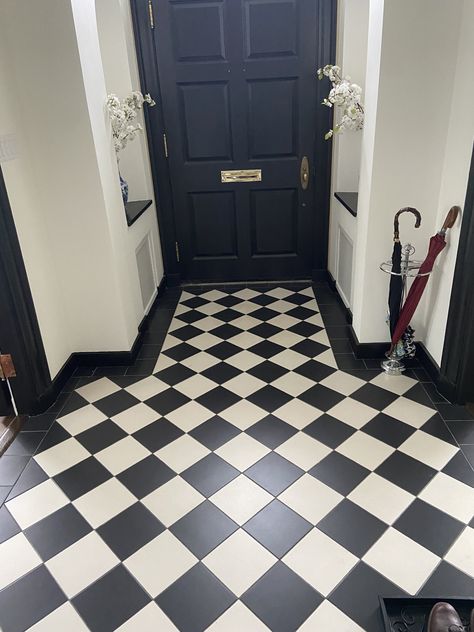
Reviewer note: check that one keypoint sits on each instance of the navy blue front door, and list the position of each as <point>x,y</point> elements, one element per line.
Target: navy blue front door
<point>239,92</point>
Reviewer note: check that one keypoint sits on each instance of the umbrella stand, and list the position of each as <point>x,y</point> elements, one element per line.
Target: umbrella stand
<point>394,365</point>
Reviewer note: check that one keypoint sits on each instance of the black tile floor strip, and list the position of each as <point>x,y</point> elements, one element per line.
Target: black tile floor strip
<point>250,478</point>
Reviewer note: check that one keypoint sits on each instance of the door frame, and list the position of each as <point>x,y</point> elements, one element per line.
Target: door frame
<point>456,381</point>
<point>145,26</point>
<point>18,316</point>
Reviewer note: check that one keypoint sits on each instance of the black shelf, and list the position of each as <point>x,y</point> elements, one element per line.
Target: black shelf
<point>349,201</point>
<point>136,208</point>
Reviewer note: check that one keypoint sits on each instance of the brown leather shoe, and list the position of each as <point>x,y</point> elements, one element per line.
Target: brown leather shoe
<point>444,618</point>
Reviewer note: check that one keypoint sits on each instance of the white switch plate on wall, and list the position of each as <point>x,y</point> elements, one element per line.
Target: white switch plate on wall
<point>8,147</point>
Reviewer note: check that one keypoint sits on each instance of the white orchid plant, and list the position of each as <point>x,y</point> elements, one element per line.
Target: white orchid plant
<point>123,113</point>
<point>345,95</point>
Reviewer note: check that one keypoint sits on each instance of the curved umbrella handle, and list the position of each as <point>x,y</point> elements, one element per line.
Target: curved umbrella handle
<point>407,209</point>
<point>451,217</point>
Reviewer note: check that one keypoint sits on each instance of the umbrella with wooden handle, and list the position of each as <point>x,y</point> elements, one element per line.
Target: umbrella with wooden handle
<point>437,243</point>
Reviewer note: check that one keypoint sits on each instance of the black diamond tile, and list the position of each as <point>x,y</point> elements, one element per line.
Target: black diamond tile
<point>277,527</point>
<point>130,530</point>
<point>25,443</point>
<point>28,600</point>
<point>81,478</point>
<point>55,435</point>
<point>111,600</point>
<point>300,312</point>
<point>156,435</point>
<point>309,348</point>
<point>31,476</point>
<point>408,473</point>
<point>321,397</point>
<point>181,352</point>
<point>265,330</point>
<point>418,394</point>
<point>116,403</point>
<point>206,598</point>
<point>146,476</point>
<point>264,313</point>
<point>388,429</point>
<point>358,596</point>
<point>166,401</point>
<point>274,473</point>
<point>271,431</point>
<point>269,398</point>
<point>224,350</point>
<point>192,316</point>
<point>281,599</point>
<point>448,579</point>
<point>195,301</point>
<point>305,329</point>
<point>57,531</point>
<point>267,371</point>
<point>214,432</point>
<point>221,372</point>
<point>11,467</point>
<point>459,468</point>
<point>266,349</point>
<point>228,315</point>
<point>338,472</point>
<point>203,529</point>
<point>329,431</point>
<point>210,474</point>
<point>228,301</point>
<point>73,402</point>
<point>262,299</point>
<point>315,370</point>
<point>8,526</point>
<point>226,331</point>
<point>298,299</point>
<point>348,362</point>
<point>175,374</point>
<point>374,396</point>
<point>186,333</point>
<point>218,399</point>
<point>101,436</point>
<point>439,429</point>
<point>352,527</point>
<point>428,526</point>
<point>39,423</point>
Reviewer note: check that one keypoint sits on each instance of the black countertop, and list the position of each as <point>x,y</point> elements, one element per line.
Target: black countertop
<point>349,201</point>
<point>134,209</point>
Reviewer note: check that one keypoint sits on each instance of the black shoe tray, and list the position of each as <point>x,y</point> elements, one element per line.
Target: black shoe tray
<point>410,614</point>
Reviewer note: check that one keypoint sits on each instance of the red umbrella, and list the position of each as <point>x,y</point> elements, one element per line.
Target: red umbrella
<point>437,243</point>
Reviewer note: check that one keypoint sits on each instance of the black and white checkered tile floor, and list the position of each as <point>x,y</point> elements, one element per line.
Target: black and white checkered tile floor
<point>248,484</point>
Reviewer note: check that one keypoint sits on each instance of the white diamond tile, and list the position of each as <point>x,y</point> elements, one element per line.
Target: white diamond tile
<point>239,561</point>
<point>122,454</point>
<point>160,563</point>
<point>163,363</point>
<point>244,360</point>
<point>243,414</point>
<point>365,450</point>
<point>63,618</point>
<point>381,498</point>
<point>82,563</point>
<point>244,384</point>
<point>195,386</point>
<point>241,499</point>
<point>135,418</point>
<point>352,412</point>
<point>298,413</point>
<point>98,389</point>
<point>402,560</point>
<point>310,498</point>
<point>320,561</point>
<point>189,416</point>
<point>451,496</point>
<point>182,453</point>
<point>428,449</point>
<point>398,384</point>
<point>328,617</point>
<point>461,554</point>
<point>410,412</point>
<point>293,383</point>
<point>151,618</point>
<point>146,388</point>
<point>204,341</point>
<point>343,383</point>
<point>245,340</point>
<point>289,359</point>
<point>237,619</point>
<point>81,419</point>
<point>18,557</point>
<point>61,456</point>
<point>200,361</point>
<point>303,450</point>
<point>173,500</point>
<point>242,451</point>
<point>104,502</point>
<point>37,503</point>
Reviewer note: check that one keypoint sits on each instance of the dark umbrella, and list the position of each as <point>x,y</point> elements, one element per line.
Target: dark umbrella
<point>396,280</point>
<point>437,243</point>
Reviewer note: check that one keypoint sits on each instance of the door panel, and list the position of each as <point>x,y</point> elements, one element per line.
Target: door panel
<point>239,92</point>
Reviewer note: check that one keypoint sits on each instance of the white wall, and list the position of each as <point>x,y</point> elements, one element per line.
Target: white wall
<point>351,55</point>
<point>64,191</point>
<point>455,173</point>
<point>410,84</point>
